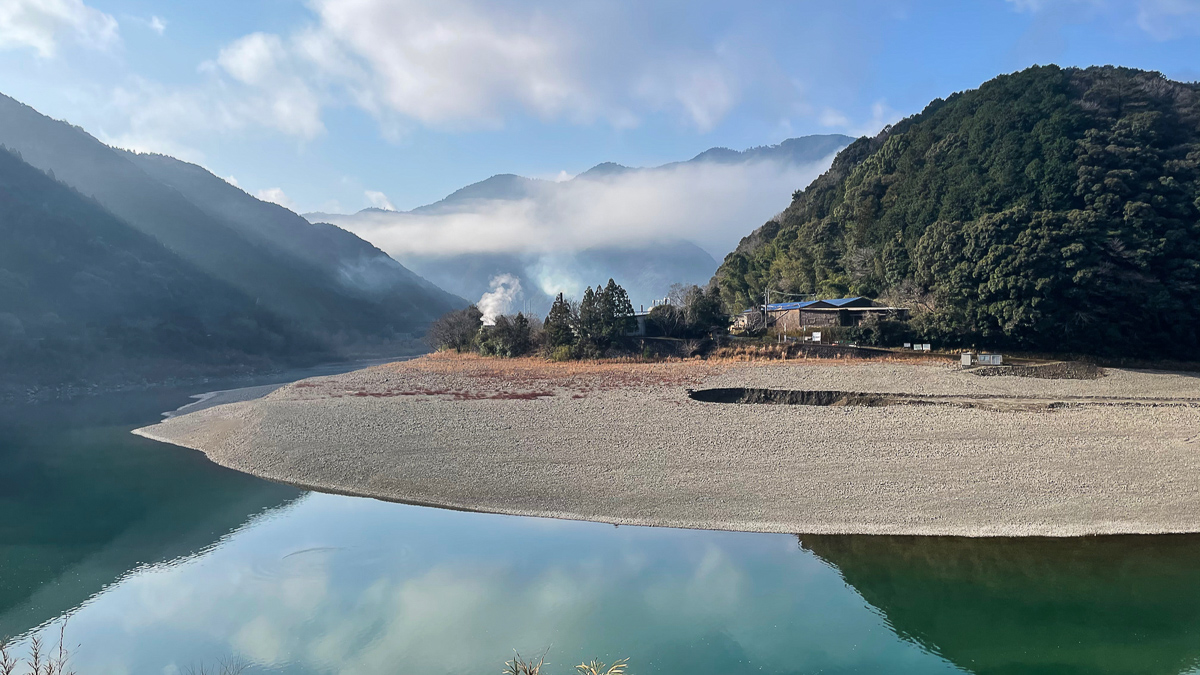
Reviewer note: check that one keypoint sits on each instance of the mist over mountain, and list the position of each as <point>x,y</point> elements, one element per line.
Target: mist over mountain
<point>84,296</point>
<point>345,292</point>
<point>146,257</point>
<point>645,227</point>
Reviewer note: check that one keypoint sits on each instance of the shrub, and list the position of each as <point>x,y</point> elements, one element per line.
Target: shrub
<point>510,336</point>
<point>457,330</point>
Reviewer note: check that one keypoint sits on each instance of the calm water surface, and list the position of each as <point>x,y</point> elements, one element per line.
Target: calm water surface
<point>158,560</point>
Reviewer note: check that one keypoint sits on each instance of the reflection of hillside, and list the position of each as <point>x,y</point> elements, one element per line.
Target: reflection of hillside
<point>84,502</point>
<point>1087,605</point>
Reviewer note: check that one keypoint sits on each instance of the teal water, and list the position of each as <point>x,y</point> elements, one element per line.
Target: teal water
<point>157,561</point>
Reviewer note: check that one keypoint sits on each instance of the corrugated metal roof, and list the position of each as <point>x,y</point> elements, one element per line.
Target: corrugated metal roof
<point>815,304</point>
<point>781,306</point>
<point>844,301</point>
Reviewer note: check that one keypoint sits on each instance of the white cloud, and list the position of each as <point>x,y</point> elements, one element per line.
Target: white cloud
<point>450,64</point>
<point>1169,19</point>
<point>275,195</point>
<point>1160,19</point>
<point>42,25</point>
<point>158,24</point>
<point>834,118</point>
<point>379,200</point>
<point>881,116</point>
<point>274,90</point>
<point>713,205</point>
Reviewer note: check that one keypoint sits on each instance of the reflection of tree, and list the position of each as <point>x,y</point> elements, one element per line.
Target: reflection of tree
<point>84,502</point>
<point>1082,605</point>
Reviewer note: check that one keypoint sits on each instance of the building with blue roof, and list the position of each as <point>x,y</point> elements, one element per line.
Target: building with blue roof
<point>795,316</point>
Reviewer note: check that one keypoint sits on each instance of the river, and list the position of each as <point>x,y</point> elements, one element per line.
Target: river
<point>157,561</point>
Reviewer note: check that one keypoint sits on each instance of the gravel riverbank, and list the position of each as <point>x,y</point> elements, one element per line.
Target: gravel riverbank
<point>623,443</point>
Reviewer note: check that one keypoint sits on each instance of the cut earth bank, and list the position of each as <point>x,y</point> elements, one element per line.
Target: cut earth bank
<point>951,454</point>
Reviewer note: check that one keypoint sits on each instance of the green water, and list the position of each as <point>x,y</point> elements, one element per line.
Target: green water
<point>158,561</point>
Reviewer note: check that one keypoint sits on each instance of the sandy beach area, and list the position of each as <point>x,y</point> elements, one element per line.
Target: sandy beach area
<point>939,451</point>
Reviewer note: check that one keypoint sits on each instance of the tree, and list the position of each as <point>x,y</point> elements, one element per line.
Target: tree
<point>616,312</point>
<point>559,332</point>
<point>509,337</point>
<point>704,311</point>
<point>457,330</point>
<point>590,323</point>
<point>668,320</point>
<point>1049,210</point>
<point>690,312</point>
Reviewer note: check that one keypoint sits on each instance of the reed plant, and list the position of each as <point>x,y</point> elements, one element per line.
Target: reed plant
<point>42,659</point>
<point>599,668</point>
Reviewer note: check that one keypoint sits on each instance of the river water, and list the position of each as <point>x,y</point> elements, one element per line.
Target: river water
<point>158,561</point>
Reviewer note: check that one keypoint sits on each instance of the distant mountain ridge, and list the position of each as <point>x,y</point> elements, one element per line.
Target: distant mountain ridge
<point>508,186</point>
<point>647,270</point>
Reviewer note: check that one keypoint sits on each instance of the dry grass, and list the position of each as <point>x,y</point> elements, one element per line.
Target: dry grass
<point>796,352</point>
<point>45,660</point>
<point>599,668</point>
<point>42,659</point>
<point>519,666</point>
<point>470,377</point>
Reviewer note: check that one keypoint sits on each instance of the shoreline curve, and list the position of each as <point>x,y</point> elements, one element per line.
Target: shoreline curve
<point>622,443</point>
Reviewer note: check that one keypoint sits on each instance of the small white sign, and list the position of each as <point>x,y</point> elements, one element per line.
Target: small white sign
<point>907,345</point>
<point>816,336</point>
<point>925,346</point>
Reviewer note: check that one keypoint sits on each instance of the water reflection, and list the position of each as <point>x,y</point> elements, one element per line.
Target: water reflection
<point>341,585</point>
<point>83,502</point>
<point>995,606</point>
<point>164,561</point>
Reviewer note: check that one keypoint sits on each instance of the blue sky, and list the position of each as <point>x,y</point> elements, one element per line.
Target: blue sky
<point>335,104</point>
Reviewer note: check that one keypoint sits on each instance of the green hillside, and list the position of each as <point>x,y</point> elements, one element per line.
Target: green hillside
<point>1051,209</point>
<point>86,298</point>
<point>343,291</point>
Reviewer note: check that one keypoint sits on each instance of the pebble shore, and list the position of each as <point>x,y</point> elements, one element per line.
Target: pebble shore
<point>623,443</point>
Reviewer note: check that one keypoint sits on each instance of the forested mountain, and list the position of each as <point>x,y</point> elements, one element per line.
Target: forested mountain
<point>1051,209</point>
<point>84,296</point>
<point>342,291</point>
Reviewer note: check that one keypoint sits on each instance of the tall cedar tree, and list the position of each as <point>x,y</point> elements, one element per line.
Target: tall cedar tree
<point>616,312</point>
<point>590,323</point>
<point>559,332</point>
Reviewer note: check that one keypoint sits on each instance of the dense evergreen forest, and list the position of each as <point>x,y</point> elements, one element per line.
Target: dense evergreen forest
<point>1052,209</point>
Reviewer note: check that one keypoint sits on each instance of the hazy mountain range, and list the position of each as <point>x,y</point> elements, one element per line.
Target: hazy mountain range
<point>511,242</point>
<point>120,266</point>
<point>115,261</point>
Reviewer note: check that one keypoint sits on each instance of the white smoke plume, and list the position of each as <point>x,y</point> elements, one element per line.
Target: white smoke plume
<point>506,290</point>
<point>711,204</point>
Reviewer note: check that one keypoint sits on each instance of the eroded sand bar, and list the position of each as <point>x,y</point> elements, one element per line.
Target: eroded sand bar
<point>623,443</point>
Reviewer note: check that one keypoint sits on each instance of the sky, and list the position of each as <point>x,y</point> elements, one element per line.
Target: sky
<point>336,105</point>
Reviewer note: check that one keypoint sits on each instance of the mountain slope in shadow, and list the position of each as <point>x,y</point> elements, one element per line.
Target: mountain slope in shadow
<point>339,289</point>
